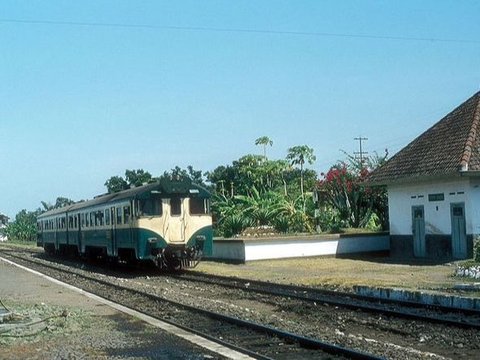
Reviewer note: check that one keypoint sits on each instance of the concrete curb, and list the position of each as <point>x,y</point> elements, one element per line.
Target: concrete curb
<point>420,297</point>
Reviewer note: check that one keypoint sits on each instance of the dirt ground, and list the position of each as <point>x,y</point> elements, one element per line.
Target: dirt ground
<point>342,273</point>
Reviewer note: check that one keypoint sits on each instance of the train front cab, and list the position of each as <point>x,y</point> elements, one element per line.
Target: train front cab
<point>174,232</point>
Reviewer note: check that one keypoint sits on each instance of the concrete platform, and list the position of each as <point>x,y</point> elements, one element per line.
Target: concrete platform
<point>93,328</point>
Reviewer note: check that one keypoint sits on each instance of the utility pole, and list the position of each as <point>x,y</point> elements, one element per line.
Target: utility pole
<point>360,153</point>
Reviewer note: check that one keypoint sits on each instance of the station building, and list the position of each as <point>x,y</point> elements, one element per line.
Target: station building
<point>434,188</point>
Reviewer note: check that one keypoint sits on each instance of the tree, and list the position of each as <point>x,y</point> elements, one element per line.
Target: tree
<point>222,178</point>
<point>137,177</point>
<point>132,178</point>
<point>116,184</point>
<point>264,140</point>
<point>344,189</point>
<point>24,227</point>
<point>59,203</point>
<point>196,176</point>
<point>298,155</point>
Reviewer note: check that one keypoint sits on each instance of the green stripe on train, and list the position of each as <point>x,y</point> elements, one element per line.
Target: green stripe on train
<point>143,241</point>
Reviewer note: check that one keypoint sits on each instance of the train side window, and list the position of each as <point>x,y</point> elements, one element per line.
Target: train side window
<point>99,216</point>
<point>70,222</point>
<point>82,219</point>
<point>150,207</point>
<point>92,219</point>
<point>119,215</point>
<point>107,217</point>
<point>126,214</point>
<point>199,206</point>
<point>175,206</point>
<point>75,221</point>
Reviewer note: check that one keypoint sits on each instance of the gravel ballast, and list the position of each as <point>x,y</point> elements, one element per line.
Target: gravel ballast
<point>50,322</point>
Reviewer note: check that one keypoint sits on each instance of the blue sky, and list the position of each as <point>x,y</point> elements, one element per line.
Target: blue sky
<point>154,84</point>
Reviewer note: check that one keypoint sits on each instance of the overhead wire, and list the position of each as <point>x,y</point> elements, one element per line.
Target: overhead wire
<point>237,30</point>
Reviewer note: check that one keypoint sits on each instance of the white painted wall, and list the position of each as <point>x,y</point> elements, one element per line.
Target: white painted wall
<point>259,249</point>
<point>437,213</point>
<point>233,250</point>
<point>473,210</point>
<point>278,249</point>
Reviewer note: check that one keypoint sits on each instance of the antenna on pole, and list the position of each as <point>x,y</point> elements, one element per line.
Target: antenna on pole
<point>360,154</point>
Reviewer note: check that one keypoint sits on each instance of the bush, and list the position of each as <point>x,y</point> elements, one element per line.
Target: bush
<point>476,250</point>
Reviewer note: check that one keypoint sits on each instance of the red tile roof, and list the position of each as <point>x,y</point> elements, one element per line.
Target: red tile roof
<point>447,148</point>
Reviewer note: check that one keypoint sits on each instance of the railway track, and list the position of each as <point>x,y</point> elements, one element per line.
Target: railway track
<point>255,339</point>
<point>463,318</point>
<point>374,332</point>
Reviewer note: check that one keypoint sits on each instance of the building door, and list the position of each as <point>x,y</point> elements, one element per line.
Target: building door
<point>418,230</point>
<point>459,234</point>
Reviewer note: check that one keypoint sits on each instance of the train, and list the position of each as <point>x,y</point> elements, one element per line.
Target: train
<point>167,222</point>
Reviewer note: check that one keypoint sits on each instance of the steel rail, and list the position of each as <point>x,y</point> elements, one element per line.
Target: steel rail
<point>303,341</point>
<point>315,295</point>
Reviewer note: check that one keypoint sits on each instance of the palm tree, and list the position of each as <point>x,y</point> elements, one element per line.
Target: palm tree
<point>298,155</point>
<point>264,140</point>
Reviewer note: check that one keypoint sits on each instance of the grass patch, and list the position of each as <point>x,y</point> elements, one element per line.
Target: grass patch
<point>339,273</point>
<point>21,244</point>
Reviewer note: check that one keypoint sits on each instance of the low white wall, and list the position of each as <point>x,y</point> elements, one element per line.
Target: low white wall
<point>258,249</point>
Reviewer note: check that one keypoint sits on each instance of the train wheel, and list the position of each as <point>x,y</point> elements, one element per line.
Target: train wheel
<point>174,264</point>
<point>49,249</point>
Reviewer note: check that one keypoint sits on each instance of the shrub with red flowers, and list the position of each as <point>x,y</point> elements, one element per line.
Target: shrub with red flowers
<point>344,189</point>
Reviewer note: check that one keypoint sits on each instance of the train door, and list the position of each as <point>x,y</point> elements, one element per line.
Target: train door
<point>79,234</point>
<point>176,221</point>
<point>113,231</point>
<point>459,234</point>
<point>418,230</point>
<point>56,233</point>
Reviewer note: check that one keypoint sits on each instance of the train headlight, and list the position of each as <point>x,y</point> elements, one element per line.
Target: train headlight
<point>152,240</point>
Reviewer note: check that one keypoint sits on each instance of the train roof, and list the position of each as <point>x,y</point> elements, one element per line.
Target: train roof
<point>164,188</point>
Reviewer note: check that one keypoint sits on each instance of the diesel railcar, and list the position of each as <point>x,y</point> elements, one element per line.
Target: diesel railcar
<point>167,222</point>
